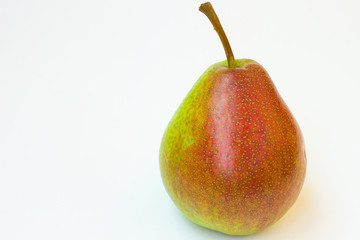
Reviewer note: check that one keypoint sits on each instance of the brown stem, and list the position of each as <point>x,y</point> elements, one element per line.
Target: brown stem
<point>209,11</point>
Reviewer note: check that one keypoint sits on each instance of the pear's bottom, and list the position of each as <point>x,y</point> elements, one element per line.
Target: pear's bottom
<point>230,232</point>
<point>237,231</point>
<point>228,226</point>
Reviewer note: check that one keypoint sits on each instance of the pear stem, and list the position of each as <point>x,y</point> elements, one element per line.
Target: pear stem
<point>209,11</point>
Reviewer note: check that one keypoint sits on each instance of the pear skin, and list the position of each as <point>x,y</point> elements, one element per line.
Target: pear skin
<point>232,158</point>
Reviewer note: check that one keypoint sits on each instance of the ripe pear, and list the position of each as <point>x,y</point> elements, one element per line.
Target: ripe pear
<point>232,157</point>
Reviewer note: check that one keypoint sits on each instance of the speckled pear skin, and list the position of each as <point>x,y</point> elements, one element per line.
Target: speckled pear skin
<point>232,157</point>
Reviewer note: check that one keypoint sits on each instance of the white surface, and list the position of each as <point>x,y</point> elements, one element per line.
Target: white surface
<point>88,87</point>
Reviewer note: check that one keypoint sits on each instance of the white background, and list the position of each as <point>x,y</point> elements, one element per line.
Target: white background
<point>88,87</point>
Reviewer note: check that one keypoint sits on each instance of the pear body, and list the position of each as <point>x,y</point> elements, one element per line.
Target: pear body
<point>232,157</point>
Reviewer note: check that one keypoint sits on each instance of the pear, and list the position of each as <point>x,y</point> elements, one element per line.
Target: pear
<point>232,157</point>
